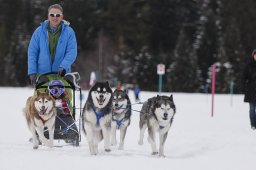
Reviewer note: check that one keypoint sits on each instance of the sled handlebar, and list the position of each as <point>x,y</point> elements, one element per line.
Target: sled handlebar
<point>70,78</point>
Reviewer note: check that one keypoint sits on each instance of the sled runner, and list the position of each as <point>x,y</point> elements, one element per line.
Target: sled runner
<point>65,123</point>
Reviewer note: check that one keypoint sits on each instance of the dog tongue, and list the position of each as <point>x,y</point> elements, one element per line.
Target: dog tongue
<point>101,101</point>
<point>116,108</point>
<point>42,111</point>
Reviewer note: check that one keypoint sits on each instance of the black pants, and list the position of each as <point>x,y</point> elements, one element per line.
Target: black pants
<point>253,114</point>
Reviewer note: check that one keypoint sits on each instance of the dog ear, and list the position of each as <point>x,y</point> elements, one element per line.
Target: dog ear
<point>37,92</point>
<point>107,83</point>
<point>171,98</point>
<point>46,91</point>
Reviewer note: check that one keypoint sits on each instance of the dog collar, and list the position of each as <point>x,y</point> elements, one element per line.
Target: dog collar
<point>45,120</point>
<point>161,127</point>
<point>41,118</point>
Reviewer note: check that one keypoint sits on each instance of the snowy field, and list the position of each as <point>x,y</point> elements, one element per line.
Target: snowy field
<point>196,140</point>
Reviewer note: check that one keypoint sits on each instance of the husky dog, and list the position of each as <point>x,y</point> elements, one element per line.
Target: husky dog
<point>121,114</point>
<point>40,112</point>
<point>96,117</point>
<point>157,115</point>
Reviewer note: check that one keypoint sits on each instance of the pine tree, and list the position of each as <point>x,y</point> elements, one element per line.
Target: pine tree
<point>183,75</point>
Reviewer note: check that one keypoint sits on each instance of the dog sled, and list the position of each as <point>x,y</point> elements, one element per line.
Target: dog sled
<point>67,126</point>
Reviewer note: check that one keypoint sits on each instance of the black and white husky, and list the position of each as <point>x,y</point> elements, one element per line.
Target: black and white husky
<point>157,115</point>
<point>96,117</point>
<point>121,116</point>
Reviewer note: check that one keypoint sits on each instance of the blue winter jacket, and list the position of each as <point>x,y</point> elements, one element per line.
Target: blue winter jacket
<point>39,58</point>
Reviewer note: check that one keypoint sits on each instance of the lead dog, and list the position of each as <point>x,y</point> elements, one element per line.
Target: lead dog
<point>40,112</point>
<point>157,115</point>
<point>96,117</point>
<point>121,116</point>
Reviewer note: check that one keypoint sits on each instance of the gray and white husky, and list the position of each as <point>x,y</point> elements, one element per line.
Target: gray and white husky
<point>121,116</point>
<point>96,117</point>
<point>157,115</point>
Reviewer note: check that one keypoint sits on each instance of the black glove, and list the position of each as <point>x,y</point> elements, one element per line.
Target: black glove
<point>61,72</point>
<point>32,78</point>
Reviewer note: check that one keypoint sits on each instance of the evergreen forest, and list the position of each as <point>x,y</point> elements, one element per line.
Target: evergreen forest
<point>124,40</point>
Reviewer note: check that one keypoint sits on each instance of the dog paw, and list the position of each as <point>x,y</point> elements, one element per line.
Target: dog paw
<point>140,142</point>
<point>49,144</point>
<point>162,155</point>
<point>107,150</point>
<point>114,143</point>
<point>154,153</point>
<point>121,148</point>
<point>35,147</point>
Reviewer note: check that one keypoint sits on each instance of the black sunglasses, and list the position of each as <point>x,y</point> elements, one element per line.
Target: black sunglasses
<point>55,15</point>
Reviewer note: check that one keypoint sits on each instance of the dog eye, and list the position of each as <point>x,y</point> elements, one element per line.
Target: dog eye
<point>46,101</point>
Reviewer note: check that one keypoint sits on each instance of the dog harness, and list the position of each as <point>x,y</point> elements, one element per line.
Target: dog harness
<point>120,122</point>
<point>99,115</point>
<point>42,119</point>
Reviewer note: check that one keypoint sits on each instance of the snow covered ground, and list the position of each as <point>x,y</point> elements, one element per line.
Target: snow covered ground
<point>196,140</point>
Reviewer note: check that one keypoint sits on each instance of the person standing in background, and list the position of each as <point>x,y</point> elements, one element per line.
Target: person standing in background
<point>136,91</point>
<point>92,79</point>
<point>249,88</point>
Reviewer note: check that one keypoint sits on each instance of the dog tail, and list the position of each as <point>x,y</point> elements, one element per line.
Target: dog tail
<point>26,109</point>
<point>24,112</point>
